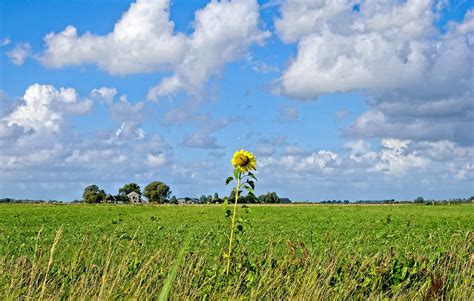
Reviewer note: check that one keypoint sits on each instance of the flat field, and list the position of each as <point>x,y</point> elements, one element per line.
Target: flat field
<point>305,252</point>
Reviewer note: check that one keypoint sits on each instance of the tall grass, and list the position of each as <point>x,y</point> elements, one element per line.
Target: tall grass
<point>194,272</point>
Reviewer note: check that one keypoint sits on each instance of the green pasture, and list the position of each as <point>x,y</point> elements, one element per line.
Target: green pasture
<point>283,252</point>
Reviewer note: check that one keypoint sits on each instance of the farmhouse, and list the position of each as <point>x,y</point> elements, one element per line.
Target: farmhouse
<point>134,198</point>
<point>110,199</point>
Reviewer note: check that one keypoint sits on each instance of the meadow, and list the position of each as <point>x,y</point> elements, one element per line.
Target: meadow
<point>303,252</point>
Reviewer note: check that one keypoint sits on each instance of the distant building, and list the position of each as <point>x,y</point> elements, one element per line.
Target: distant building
<point>285,201</point>
<point>110,199</point>
<point>187,200</point>
<point>134,198</point>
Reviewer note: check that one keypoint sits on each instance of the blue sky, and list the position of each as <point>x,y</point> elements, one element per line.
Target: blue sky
<point>336,102</point>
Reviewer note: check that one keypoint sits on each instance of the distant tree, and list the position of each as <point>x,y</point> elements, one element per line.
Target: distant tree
<point>92,194</point>
<point>209,199</point>
<point>173,200</point>
<point>122,198</point>
<point>215,198</point>
<point>243,199</point>
<point>269,198</point>
<point>203,199</point>
<point>157,192</point>
<point>127,188</point>
<point>232,197</point>
<point>419,200</point>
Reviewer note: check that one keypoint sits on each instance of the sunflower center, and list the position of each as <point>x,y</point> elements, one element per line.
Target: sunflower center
<point>242,160</point>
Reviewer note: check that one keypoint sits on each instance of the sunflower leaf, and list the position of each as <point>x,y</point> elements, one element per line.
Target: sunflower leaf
<point>228,180</point>
<point>251,183</point>
<point>224,205</point>
<point>252,176</point>
<point>248,188</point>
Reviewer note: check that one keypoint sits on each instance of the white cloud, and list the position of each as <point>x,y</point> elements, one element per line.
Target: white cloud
<point>260,66</point>
<point>340,50</point>
<point>301,18</point>
<point>156,160</point>
<point>31,159</point>
<point>128,131</point>
<point>104,94</point>
<point>18,54</point>
<point>199,140</point>
<point>44,107</point>
<point>95,155</point>
<point>418,80</point>
<point>394,160</point>
<point>5,41</point>
<point>365,61</point>
<point>322,161</point>
<point>223,32</point>
<point>123,110</point>
<point>37,150</point>
<point>394,168</point>
<point>143,40</point>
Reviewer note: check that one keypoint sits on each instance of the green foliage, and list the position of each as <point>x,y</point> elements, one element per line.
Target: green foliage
<point>157,192</point>
<point>419,200</point>
<point>293,252</point>
<point>216,199</point>
<point>269,198</point>
<point>93,194</point>
<point>173,200</point>
<point>127,188</point>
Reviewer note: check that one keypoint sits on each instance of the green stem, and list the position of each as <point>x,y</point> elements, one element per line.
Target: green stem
<point>237,188</point>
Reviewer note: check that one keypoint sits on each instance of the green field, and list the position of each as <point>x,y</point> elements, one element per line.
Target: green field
<point>305,252</point>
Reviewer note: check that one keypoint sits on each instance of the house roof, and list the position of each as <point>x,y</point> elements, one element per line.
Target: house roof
<point>133,193</point>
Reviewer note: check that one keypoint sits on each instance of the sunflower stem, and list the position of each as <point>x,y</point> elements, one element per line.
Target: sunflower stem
<point>229,253</point>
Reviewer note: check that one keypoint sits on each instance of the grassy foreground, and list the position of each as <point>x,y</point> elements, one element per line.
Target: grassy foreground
<point>283,252</point>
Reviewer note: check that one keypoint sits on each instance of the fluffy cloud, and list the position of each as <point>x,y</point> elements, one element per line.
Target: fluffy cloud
<point>380,46</point>
<point>394,158</point>
<point>223,31</point>
<point>104,94</point>
<point>395,167</point>
<point>5,41</point>
<point>19,54</point>
<point>123,110</point>
<point>143,40</point>
<point>200,140</point>
<point>37,150</point>
<point>44,107</point>
<point>156,160</point>
<point>418,81</point>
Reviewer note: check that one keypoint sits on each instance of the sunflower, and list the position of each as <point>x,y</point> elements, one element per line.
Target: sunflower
<point>244,161</point>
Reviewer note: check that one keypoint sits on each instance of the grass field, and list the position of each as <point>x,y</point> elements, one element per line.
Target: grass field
<point>283,252</point>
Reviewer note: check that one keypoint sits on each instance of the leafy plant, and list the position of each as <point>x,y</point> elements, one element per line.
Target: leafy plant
<point>244,163</point>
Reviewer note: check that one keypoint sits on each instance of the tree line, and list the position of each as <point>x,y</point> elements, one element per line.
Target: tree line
<point>155,192</point>
<point>160,193</point>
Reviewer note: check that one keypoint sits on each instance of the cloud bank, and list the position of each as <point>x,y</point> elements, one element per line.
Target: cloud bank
<point>418,80</point>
